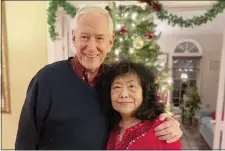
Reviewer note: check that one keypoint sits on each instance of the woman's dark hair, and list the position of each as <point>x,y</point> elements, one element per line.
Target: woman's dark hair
<point>150,108</point>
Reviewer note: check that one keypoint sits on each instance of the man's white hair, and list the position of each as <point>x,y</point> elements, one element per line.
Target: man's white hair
<point>93,9</point>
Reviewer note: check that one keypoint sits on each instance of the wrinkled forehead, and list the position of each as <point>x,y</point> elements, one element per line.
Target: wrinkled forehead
<point>93,22</point>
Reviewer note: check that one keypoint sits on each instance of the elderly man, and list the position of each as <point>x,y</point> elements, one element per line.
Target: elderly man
<point>62,110</point>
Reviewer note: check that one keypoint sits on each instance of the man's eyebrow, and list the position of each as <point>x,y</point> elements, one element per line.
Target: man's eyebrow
<point>102,35</point>
<point>83,33</point>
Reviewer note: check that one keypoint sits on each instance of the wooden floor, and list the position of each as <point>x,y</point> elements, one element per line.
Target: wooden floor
<point>192,139</point>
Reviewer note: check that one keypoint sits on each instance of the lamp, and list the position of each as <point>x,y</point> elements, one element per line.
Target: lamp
<point>184,76</point>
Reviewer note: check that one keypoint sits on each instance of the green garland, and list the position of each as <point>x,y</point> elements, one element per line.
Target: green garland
<point>209,15</point>
<point>157,7</point>
<point>52,9</point>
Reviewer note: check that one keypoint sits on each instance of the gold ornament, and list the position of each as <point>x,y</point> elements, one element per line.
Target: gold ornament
<point>138,42</point>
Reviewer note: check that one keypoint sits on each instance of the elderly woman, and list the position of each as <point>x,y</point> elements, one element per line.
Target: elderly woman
<point>130,91</point>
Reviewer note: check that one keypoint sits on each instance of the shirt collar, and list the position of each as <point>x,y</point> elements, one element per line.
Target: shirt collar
<point>81,71</point>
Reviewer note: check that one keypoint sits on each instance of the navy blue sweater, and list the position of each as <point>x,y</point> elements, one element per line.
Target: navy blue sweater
<point>61,112</point>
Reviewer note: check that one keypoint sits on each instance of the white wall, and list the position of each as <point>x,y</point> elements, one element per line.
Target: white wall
<point>27,53</point>
<point>212,46</point>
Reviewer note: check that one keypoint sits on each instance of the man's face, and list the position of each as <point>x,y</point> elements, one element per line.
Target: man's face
<point>92,40</point>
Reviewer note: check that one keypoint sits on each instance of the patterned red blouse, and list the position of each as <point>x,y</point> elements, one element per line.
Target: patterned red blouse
<point>140,136</point>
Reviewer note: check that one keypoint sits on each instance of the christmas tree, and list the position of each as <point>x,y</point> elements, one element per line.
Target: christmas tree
<point>135,39</point>
<point>134,34</point>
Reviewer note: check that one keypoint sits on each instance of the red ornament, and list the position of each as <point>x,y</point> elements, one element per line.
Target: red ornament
<point>148,35</point>
<point>205,19</point>
<point>123,29</point>
<point>157,7</point>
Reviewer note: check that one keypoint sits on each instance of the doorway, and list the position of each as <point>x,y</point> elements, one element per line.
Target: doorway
<point>185,73</point>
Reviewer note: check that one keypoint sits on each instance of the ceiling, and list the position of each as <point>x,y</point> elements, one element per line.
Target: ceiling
<point>185,9</point>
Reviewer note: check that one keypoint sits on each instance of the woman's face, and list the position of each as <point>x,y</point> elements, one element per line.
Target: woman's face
<point>126,94</point>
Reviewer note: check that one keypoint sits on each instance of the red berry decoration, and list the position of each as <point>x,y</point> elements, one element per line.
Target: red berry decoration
<point>157,7</point>
<point>123,29</point>
<point>148,35</point>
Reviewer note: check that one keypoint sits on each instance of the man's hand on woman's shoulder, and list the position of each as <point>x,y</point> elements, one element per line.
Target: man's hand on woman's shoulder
<point>169,130</point>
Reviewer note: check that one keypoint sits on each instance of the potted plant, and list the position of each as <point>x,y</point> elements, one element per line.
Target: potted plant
<point>192,104</point>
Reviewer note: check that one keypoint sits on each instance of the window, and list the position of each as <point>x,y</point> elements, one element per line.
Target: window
<point>185,69</point>
<point>186,47</point>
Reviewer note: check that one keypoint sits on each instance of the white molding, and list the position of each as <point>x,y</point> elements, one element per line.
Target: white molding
<point>200,53</point>
<point>56,49</point>
<point>223,123</point>
<point>220,125</point>
<point>185,54</point>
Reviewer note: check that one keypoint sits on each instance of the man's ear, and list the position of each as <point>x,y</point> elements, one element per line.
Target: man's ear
<point>73,36</point>
<point>111,41</point>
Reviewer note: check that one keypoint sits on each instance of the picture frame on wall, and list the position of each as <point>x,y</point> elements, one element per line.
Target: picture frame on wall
<point>162,61</point>
<point>5,99</point>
